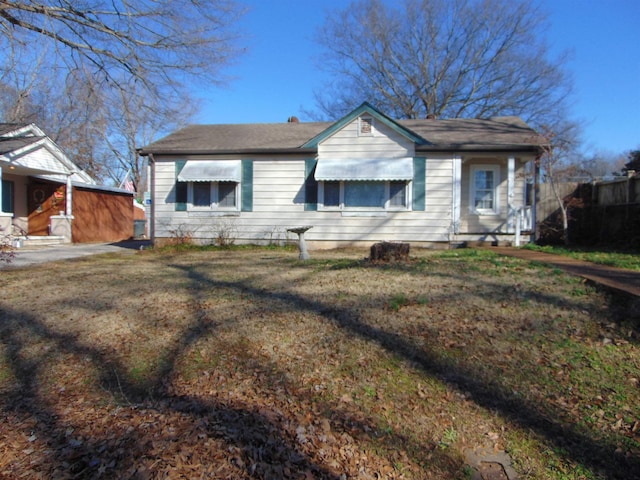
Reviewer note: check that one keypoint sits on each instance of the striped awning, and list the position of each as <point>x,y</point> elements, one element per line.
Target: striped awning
<point>210,171</point>
<point>364,169</point>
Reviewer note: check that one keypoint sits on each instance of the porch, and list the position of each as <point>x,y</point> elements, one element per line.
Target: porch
<point>35,187</point>
<point>34,211</point>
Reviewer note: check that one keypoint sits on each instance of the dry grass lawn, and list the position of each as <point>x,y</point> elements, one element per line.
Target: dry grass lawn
<point>251,364</point>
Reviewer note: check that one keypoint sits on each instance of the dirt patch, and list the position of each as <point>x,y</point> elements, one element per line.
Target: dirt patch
<point>252,364</point>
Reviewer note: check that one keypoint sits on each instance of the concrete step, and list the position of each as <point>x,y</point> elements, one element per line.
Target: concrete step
<point>31,241</point>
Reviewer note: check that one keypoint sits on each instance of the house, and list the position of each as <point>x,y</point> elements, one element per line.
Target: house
<point>364,178</point>
<point>45,198</point>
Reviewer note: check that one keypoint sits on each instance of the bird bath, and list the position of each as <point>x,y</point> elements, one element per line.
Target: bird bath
<point>302,245</point>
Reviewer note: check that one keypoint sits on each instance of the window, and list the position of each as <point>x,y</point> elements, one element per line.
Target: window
<point>397,194</point>
<point>212,195</point>
<point>331,194</point>
<point>7,196</point>
<point>365,127</point>
<point>226,194</point>
<point>365,195</point>
<point>201,194</point>
<point>484,189</point>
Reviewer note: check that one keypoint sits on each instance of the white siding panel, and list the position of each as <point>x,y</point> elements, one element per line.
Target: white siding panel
<point>386,143</point>
<point>278,204</point>
<point>439,191</point>
<point>277,188</point>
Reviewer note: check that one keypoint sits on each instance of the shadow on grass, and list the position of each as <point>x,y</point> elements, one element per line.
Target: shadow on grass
<point>244,429</point>
<point>256,441</point>
<point>600,455</point>
<point>258,437</point>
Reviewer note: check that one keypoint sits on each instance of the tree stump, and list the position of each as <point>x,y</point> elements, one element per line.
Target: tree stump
<point>389,251</point>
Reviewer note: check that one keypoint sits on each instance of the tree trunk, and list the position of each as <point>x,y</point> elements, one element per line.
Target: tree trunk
<point>388,251</point>
<point>563,212</point>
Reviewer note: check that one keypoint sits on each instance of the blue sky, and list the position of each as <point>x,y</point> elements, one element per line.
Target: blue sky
<point>277,76</point>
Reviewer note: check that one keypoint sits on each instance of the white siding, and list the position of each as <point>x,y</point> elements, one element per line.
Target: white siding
<point>278,204</point>
<point>385,143</point>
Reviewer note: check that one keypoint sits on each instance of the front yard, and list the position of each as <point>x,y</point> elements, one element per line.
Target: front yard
<point>251,364</point>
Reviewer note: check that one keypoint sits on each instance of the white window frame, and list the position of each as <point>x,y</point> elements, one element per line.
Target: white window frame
<point>372,123</point>
<point>496,189</point>
<point>213,192</point>
<point>387,204</point>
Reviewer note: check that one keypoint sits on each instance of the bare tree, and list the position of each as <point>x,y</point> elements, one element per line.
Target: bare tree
<point>155,42</point>
<point>556,166</point>
<point>83,69</point>
<point>448,58</point>
<point>22,84</point>
<point>603,164</point>
<point>70,109</point>
<point>136,120</point>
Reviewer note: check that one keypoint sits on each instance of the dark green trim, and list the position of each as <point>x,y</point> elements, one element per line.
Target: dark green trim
<point>180,189</point>
<point>419,183</point>
<point>7,196</point>
<point>375,113</point>
<point>310,185</point>
<point>246,186</point>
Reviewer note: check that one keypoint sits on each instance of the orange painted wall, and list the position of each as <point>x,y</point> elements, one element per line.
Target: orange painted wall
<point>101,216</point>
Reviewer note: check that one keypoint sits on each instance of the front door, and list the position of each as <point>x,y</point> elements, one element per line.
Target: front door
<point>44,200</point>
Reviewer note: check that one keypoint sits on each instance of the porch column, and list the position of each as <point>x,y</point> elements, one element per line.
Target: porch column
<point>69,204</point>
<point>536,197</point>
<point>151,176</point>
<point>456,195</point>
<point>511,180</point>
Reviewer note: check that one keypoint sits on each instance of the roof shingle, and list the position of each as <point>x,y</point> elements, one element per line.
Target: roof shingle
<point>463,134</point>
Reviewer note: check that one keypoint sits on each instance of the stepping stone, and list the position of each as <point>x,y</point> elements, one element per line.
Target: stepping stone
<point>488,464</point>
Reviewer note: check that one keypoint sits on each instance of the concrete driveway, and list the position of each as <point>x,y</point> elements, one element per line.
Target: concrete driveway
<point>30,256</point>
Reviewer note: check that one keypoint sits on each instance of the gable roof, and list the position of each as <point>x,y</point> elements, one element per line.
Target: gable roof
<point>11,144</point>
<point>237,138</point>
<point>12,128</point>
<point>476,134</point>
<point>29,151</point>
<point>363,109</point>
<point>15,136</point>
<point>496,134</point>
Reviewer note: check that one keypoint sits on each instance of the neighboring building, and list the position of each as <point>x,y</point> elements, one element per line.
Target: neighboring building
<point>363,179</point>
<point>45,198</point>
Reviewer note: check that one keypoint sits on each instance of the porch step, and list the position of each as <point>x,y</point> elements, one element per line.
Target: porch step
<point>31,241</point>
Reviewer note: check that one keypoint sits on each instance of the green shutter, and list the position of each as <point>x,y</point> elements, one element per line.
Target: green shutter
<point>7,196</point>
<point>310,185</point>
<point>419,181</point>
<point>180,189</point>
<point>247,185</point>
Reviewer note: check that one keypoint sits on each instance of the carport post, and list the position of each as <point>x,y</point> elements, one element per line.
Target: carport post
<point>69,199</point>
<point>519,212</point>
